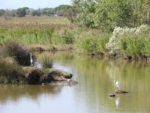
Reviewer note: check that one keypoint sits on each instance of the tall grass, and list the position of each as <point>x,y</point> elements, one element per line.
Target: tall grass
<point>35,31</point>
<point>93,42</point>
<point>133,46</point>
<point>133,42</point>
<point>45,60</point>
<point>136,45</point>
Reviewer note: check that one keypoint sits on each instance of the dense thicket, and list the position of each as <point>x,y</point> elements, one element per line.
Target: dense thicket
<point>107,14</point>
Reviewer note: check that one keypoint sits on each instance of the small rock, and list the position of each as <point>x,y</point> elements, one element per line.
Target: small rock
<point>121,92</point>
<point>58,75</point>
<point>112,95</point>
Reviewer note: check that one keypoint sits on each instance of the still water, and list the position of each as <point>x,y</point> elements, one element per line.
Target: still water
<point>96,78</point>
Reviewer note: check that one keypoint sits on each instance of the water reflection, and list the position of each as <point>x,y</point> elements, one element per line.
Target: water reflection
<point>117,102</point>
<point>15,92</point>
<point>96,79</point>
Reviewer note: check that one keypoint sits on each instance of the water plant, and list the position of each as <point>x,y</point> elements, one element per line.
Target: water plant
<point>45,60</point>
<point>68,37</point>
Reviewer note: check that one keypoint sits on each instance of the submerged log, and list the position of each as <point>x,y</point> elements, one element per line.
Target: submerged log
<point>120,92</point>
<point>112,95</point>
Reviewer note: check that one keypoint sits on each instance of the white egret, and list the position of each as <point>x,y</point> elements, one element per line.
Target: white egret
<point>31,59</point>
<point>117,84</point>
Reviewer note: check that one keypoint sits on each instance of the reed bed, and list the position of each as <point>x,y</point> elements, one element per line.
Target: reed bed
<point>58,31</point>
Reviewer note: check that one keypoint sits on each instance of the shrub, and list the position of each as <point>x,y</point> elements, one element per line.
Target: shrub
<point>17,50</point>
<point>46,61</point>
<point>147,47</point>
<point>68,37</point>
<point>10,72</point>
<point>119,33</point>
<point>133,46</point>
<point>90,45</point>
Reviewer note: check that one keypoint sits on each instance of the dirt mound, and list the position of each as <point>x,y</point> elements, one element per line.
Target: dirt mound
<point>18,51</point>
<point>56,75</point>
<point>34,76</point>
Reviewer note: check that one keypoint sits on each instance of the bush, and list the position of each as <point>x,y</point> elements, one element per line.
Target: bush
<point>107,14</point>
<point>17,50</point>
<point>147,47</point>
<point>45,60</point>
<point>133,46</point>
<point>68,37</point>
<point>120,33</point>
<point>95,44</point>
<point>10,72</point>
<point>90,45</point>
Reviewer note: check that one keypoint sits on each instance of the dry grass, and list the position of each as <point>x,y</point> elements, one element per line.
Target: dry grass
<point>16,50</point>
<point>44,20</point>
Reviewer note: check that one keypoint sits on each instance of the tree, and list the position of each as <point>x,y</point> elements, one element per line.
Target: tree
<point>107,14</point>
<point>86,12</point>
<point>36,12</point>
<point>21,12</point>
<point>110,14</point>
<point>71,14</point>
<point>2,12</point>
<point>47,11</point>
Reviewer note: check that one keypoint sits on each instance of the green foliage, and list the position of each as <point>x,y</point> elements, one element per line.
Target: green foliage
<point>62,10</point>
<point>68,37</point>
<point>107,14</point>
<point>62,7</point>
<point>45,60</point>
<point>147,47</point>
<point>21,12</point>
<point>71,14</point>
<point>47,11</point>
<point>94,44</point>
<point>102,41</point>
<point>133,46</point>
<point>110,14</point>
<point>2,12</point>
<point>87,11</point>
<point>35,13</point>
<point>90,45</point>
<point>10,72</point>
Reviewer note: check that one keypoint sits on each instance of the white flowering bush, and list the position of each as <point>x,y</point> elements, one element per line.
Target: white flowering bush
<point>114,41</point>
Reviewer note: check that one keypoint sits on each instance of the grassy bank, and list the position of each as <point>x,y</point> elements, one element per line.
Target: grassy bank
<point>18,66</point>
<point>57,33</point>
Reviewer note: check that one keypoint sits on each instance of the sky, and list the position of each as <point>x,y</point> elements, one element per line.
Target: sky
<point>35,4</point>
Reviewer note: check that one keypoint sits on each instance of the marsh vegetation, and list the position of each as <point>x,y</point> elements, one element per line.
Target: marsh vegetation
<point>94,30</point>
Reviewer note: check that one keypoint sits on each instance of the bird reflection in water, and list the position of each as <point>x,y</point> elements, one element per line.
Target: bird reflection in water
<point>117,102</point>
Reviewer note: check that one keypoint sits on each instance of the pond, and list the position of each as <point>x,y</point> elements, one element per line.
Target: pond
<point>96,80</point>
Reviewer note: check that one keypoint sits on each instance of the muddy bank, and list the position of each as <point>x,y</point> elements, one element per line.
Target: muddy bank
<point>14,56</point>
<point>101,55</point>
<point>51,48</point>
<point>12,73</point>
<point>51,77</point>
